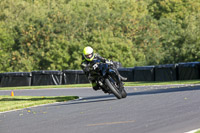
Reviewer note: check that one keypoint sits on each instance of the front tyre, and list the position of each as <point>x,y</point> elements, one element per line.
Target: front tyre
<point>124,94</point>
<point>113,89</point>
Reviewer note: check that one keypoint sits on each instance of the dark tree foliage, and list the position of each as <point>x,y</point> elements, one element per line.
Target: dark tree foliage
<point>51,34</point>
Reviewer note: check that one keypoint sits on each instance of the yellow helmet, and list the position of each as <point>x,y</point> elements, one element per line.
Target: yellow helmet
<point>88,53</point>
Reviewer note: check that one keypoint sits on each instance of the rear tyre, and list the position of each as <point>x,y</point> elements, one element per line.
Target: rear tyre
<point>113,89</point>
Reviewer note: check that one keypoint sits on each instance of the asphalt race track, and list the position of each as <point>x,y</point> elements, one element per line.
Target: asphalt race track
<point>152,109</point>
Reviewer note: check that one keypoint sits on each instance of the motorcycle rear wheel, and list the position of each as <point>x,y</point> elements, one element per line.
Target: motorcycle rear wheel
<point>113,89</point>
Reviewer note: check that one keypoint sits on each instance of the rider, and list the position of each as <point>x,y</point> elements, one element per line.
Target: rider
<point>88,57</point>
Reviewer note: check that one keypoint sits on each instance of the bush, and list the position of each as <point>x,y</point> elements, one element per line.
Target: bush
<point>44,35</point>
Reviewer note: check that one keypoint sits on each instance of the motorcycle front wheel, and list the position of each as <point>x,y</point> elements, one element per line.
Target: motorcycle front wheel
<point>124,94</point>
<point>113,89</point>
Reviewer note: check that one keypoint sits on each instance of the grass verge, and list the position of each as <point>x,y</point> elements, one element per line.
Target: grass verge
<point>46,87</point>
<point>198,131</point>
<point>89,85</point>
<point>18,102</point>
<point>162,83</point>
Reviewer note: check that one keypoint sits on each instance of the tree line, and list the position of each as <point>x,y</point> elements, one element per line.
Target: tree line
<point>51,34</point>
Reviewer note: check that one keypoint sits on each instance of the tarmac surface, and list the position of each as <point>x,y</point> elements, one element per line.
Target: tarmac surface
<point>147,109</point>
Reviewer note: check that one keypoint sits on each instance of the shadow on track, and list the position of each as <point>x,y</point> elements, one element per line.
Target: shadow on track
<point>84,101</point>
<point>95,99</point>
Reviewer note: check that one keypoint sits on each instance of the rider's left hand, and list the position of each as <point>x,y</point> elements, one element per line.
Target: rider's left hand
<point>109,62</point>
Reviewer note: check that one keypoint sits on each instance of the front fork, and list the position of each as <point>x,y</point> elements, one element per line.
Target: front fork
<point>115,74</point>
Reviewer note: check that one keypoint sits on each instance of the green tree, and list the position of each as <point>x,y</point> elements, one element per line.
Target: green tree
<point>6,43</point>
<point>191,45</point>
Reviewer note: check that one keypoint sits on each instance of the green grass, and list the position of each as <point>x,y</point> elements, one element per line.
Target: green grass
<point>89,85</point>
<point>18,102</point>
<point>162,83</point>
<point>198,131</point>
<point>45,87</point>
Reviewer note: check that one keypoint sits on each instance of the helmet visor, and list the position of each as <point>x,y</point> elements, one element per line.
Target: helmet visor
<point>89,56</point>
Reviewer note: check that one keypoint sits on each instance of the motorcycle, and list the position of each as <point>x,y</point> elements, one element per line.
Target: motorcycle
<point>106,78</point>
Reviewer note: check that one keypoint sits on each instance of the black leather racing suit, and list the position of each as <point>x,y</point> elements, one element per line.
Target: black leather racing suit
<point>85,67</point>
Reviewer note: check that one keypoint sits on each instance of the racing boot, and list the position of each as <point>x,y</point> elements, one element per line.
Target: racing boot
<point>122,78</point>
<point>95,86</point>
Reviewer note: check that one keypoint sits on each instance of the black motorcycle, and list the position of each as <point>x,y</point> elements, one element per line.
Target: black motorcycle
<point>106,78</point>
